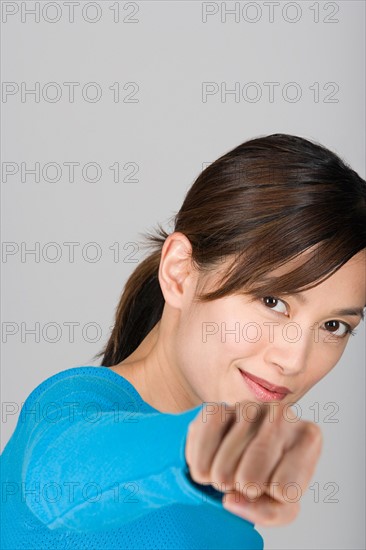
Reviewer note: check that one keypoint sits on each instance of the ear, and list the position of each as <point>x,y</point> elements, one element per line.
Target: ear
<point>175,269</point>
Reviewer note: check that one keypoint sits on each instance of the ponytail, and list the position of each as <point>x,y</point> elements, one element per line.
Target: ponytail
<point>140,306</point>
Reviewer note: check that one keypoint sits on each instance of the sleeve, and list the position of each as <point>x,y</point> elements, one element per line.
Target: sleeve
<point>85,472</point>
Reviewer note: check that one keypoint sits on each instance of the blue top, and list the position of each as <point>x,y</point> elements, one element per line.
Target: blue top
<point>91,465</point>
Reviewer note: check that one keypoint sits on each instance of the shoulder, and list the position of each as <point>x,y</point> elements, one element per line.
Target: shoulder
<point>86,385</point>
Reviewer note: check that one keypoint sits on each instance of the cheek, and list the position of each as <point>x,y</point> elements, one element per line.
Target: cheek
<point>214,335</point>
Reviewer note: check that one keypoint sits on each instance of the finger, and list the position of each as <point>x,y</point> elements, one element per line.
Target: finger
<point>263,511</point>
<point>205,434</point>
<point>232,447</point>
<point>264,453</point>
<point>297,466</point>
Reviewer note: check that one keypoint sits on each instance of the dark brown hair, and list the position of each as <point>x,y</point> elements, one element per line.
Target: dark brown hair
<point>262,203</point>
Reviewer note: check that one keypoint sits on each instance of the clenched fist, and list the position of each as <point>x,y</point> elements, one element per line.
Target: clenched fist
<point>262,456</point>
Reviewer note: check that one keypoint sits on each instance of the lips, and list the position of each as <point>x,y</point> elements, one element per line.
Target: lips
<point>271,387</point>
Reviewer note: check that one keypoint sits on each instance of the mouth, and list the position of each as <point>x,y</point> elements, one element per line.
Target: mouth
<point>263,390</point>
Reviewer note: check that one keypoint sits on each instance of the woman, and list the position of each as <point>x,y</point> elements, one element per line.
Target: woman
<point>185,436</point>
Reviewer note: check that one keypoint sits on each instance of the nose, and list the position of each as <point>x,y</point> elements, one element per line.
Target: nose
<point>289,348</point>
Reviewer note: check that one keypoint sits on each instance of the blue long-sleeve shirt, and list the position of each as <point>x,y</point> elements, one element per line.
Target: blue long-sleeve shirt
<point>91,465</point>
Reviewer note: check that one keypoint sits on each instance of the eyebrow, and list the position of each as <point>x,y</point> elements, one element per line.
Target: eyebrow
<point>351,311</point>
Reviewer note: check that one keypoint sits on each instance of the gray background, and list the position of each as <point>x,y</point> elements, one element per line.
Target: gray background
<point>167,133</point>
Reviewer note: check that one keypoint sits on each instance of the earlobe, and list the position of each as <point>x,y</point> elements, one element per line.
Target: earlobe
<point>175,267</point>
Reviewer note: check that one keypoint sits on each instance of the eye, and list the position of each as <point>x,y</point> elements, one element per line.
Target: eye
<point>337,328</point>
<point>337,325</point>
<point>272,302</point>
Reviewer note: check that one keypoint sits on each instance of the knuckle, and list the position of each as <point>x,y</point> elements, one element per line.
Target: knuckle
<point>220,475</point>
<point>270,515</point>
<point>290,513</point>
<point>280,515</point>
<point>211,413</point>
<point>313,432</point>
<point>199,474</point>
<point>294,510</point>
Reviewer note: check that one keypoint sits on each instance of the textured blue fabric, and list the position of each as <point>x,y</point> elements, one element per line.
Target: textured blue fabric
<point>91,465</point>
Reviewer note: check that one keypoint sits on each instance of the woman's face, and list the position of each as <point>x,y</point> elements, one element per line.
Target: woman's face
<point>291,341</point>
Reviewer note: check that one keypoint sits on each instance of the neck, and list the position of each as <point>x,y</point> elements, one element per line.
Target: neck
<point>153,375</point>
